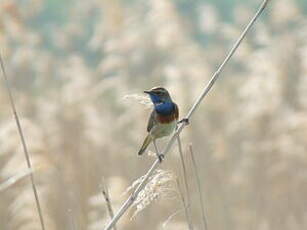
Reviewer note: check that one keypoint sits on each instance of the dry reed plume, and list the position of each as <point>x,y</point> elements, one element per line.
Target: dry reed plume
<point>70,68</point>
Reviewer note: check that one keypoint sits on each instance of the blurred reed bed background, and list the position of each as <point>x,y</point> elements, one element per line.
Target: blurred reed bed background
<point>72,65</point>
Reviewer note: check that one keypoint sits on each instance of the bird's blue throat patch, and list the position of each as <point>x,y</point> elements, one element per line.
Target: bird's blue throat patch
<point>155,98</point>
<point>164,108</point>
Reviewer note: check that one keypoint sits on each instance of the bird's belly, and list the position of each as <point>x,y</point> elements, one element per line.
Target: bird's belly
<point>162,130</point>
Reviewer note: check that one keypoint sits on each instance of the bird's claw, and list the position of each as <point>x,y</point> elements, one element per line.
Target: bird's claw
<point>185,121</point>
<point>161,157</point>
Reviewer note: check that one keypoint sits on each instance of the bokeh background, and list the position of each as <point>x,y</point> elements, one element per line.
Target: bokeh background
<point>71,64</point>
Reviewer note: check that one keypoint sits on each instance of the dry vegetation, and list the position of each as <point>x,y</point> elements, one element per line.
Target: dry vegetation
<point>69,81</point>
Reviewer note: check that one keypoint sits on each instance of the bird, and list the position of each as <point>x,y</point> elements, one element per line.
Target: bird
<point>163,119</point>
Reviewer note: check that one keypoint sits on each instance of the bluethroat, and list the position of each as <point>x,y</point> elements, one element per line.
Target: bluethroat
<point>163,119</point>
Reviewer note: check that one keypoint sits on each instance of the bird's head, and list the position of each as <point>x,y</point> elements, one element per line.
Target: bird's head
<point>158,95</point>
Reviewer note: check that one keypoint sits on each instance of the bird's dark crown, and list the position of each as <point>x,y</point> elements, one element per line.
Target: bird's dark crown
<point>159,95</point>
<point>159,91</point>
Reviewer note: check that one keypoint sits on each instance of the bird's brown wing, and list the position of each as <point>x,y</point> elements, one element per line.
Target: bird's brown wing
<point>151,121</point>
<point>176,113</point>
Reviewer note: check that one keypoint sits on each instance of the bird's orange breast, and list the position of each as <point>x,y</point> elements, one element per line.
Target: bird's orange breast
<point>164,119</point>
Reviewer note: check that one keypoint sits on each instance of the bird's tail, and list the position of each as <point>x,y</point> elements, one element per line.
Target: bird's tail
<point>146,142</point>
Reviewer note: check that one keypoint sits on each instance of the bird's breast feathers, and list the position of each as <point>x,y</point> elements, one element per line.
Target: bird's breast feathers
<point>162,130</point>
<point>165,123</point>
<point>168,118</point>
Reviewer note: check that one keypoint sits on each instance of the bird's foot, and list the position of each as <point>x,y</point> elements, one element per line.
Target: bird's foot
<point>186,121</point>
<point>161,157</point>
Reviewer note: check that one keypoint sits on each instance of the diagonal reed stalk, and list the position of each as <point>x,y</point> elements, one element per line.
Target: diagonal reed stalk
<point>201,200</point>
<point>173,138</point>
<point>23,142</point>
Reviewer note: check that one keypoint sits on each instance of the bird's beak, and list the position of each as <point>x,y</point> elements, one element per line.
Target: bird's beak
<point>147,91</point>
